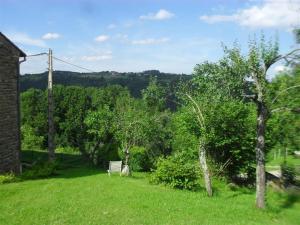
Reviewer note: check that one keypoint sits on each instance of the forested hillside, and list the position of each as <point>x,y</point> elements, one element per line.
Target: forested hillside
<point>135,82</point>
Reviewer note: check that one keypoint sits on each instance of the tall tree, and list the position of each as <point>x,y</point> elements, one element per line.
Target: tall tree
<point>261,57</point>
<point>212,85</point>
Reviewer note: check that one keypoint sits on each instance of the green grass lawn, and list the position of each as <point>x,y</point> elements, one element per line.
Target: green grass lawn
<point>89,196</point>
<point>290,160</point>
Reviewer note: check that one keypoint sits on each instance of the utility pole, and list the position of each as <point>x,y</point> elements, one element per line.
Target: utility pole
<point>51,144</point>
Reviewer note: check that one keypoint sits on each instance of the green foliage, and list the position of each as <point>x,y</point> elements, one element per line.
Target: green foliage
<point>29,140</point>
<point>154,95</point>
<point>99,125</point>
<point>288,174</point>
<point>158,136</point>
<point>34,115</point>
<point>138,160</point>
<point>40,170</point>
<point>99,122</point>
<point>214,110</point>
<point>231,138</point>
<point>185,133</point>
<point>8,178</point>
<point>285,123</point>
<point>135,82</point>
<point>72,105</point>
<point>67,150</point>
<point>175,171</point>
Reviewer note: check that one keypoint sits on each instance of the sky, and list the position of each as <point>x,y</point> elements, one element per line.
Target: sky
<point>137,35</point>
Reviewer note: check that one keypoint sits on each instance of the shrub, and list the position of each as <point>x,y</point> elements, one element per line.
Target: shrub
<point>175,171</point>
<point>8,178</point>
<point>31,141</point>
<point>288,174</point>
<point>41,171</point>
<point>138,159</point>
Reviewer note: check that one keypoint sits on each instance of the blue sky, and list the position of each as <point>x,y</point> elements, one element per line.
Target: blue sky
<point>137,35</point>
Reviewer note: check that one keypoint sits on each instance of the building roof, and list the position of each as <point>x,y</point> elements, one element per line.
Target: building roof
<point>22,54</point>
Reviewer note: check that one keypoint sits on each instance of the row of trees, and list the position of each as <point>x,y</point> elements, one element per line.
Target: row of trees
<point>221,115</point>
<point>99,122</point>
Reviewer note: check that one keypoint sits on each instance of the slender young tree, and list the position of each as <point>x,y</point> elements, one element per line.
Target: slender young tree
<point>129,123</point>
<point>202,151</point>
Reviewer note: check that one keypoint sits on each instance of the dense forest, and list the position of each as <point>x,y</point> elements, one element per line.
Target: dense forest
<point>135,82</point>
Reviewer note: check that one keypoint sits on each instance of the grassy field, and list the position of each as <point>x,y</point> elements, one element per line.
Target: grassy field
<point>289,159</point>
<point>86,195</point>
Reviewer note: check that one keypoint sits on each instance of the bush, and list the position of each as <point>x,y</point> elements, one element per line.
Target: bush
<point>8,178</point>
<point>176,172</point>
<point>41,171</point>
<point>31,141</point>
<point>138,159</point>
<point>288,174</point>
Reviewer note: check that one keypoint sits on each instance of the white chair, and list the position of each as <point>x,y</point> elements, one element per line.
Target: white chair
<point>114,167</point>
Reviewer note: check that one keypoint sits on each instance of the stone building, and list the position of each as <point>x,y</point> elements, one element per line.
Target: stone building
<point>10,58</point>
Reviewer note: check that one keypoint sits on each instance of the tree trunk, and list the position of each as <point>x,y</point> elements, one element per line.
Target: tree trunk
<point>126,170</point>
<point>260,152</point>
<point>203,165</point>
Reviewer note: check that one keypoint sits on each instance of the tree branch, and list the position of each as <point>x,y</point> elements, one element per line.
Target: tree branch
<point>298,85</point>
<point>295,110</point>
<point>287,56</point>
<point>198,109</point>
<point>252,97</point>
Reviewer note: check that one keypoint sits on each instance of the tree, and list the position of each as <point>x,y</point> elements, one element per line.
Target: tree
<point>99,125</point>
<point>285,122</point>
<point>154,96</point>
<point>129,122</point>
<point>261,58</point>
<point>213,85</point>
<point>34,114</point>
<point>71,108</point>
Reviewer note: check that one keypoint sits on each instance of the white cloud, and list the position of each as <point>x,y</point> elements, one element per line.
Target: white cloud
<point>270,14</point>
<point>49,36</point>
<point>162,14</point>
<point>25,39</point>
<point>102,38</point>
<point>150,41</point>
<point>280,68</point>
<point>111,26</point>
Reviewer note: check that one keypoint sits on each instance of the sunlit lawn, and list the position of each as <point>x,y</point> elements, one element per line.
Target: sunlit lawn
<point>89,196</point>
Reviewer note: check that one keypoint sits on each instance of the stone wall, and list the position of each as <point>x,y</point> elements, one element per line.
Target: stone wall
<point>9,108</point>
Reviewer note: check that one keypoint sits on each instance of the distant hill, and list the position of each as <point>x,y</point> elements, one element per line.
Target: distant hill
<point>135,82</point>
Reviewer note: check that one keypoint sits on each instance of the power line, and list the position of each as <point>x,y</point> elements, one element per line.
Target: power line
<point>43,53</point>
<point>73,64</point>
<point>61,60</point>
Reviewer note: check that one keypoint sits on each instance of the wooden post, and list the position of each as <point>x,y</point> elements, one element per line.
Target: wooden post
<point>51,145</point>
